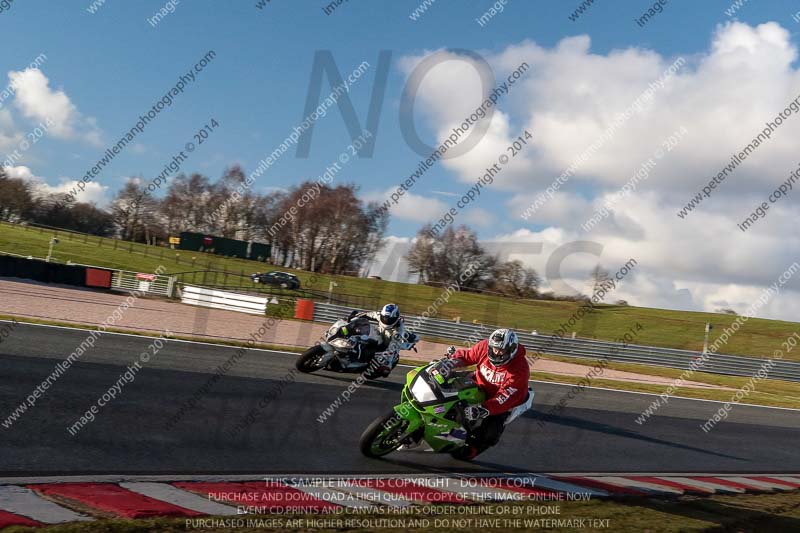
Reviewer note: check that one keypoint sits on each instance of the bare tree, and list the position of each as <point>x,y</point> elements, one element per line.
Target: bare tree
<point>445,257</point>
<point>185,206</point>
<point>331,232</point>
<point>16,198</point>
<point>512,278</point>
<point>136,214</point>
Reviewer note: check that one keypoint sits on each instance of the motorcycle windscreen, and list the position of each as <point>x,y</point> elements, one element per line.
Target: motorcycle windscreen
<point>421,391</point>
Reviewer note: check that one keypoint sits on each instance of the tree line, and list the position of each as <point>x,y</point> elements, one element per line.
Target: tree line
<point>332,231</point>
<point>336,233</point>
<point>440,258</point>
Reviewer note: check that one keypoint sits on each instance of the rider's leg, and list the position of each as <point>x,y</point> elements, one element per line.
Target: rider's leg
<point>484,436</point>
<point>366,349</point>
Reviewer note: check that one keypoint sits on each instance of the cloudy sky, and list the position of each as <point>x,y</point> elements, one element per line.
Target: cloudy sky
<point>731,73</point>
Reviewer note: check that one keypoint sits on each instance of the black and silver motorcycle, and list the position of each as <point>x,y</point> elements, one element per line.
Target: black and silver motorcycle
<point>352,346</point>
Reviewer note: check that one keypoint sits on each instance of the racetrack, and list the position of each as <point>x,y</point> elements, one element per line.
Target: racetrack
<point>596,432</point>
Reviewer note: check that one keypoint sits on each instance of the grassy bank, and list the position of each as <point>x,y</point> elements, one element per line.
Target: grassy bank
<point>673,329</point>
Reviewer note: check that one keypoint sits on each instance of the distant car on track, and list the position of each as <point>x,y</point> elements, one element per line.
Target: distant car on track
<point>283,280</point>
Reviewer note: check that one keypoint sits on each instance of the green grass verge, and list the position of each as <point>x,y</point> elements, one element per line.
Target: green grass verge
<point>740,513</point>
<point>673,329</point>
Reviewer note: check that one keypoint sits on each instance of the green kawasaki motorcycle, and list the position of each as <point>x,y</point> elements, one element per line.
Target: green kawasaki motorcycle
<point>431,411</point>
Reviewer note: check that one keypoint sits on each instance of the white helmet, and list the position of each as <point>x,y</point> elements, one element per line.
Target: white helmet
<point>503,346</point>
<point>390,315</point>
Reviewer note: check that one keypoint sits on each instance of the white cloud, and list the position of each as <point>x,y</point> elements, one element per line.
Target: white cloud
<point>567,210</point>
<point>9,136</point>
<point>94,192</point>
<point>476,217</point>
<point>37,101</point>
<point>410,206</point>
<point>20,172</point>
<point>722,96</point>
<point>389,263</point>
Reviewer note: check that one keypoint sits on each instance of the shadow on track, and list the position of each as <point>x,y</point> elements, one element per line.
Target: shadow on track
<point>374,383</point>
<point>582,424</point>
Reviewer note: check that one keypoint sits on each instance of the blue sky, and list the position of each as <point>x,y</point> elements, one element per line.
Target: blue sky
<point>112,66</point>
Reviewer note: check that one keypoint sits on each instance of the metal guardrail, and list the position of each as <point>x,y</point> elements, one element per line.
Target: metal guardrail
<point>732,365</point>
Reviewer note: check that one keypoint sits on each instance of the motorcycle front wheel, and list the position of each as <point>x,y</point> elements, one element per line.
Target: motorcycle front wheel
<point>381,437</point>
<point>309,361</point>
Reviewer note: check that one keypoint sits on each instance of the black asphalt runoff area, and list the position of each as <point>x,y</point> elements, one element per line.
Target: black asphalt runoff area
<point>595,433</point>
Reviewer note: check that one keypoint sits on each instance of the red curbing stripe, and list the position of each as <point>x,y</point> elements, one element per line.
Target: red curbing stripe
<point>10,519</point>
<point>669,483</point>
<point>596,484</point>
<point>113,499</point>
<point>767,479</point>
<point>412,491</point>
<point>271,497</point>
<point>734,484</point>
<point>509,484</point>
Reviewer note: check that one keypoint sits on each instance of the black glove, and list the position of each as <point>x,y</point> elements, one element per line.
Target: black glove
<point>475,412</point>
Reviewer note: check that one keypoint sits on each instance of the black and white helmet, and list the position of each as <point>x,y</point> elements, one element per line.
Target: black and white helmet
<point>503,344</point>
<point>390,315</point>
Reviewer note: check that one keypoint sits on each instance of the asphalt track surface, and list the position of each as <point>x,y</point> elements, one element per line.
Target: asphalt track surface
<point>596,432</point>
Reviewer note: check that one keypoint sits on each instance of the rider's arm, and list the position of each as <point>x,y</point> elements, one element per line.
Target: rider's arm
<point>374,316</point>
<point>405,339</point>
<point>470,356</point>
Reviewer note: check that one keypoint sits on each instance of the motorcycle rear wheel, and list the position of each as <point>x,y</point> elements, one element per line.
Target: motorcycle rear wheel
<point>380,437</point>
<point>309,361</point>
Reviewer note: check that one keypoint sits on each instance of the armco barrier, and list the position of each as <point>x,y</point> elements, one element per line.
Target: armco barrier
<point>732,365</point>
<point>231,301</point>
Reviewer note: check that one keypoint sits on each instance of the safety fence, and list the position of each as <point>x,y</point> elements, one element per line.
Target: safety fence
<point>732,365</point>
<point>143,282</point>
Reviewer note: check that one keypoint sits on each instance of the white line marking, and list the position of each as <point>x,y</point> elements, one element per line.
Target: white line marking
<point>144,336</point>
<point>181,498</point>
<point>399,365</point>
<point>678,397</point>
<point>23,501</point>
